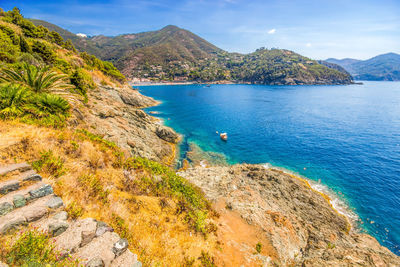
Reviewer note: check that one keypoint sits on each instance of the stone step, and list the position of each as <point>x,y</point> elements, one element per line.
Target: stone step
<point>22,167</point>
<point>15,182</point>
<point>23,191</point>
<point>100,248</point>
<point>22,216</point>
<point>9,186</point>
<point>79,234</point>
<point>126,259</point>
<point>18,200</point>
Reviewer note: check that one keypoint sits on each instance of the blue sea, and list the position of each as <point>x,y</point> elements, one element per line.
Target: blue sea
<point>345,138</point>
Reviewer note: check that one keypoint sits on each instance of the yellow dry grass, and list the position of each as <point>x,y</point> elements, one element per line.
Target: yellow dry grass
<point>93,187</point>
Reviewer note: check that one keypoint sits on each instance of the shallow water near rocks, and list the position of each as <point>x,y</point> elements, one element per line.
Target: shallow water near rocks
<point>344,137</point>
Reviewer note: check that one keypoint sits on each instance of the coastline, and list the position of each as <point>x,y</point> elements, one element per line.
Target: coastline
<point>332,197</point>
<point>336,201</point>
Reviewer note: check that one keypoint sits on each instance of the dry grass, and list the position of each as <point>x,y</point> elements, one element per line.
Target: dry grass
<point>12,26</point>
<point>95,186</point>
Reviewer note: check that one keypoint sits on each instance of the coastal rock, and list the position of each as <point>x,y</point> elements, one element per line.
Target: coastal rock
<point>32,177</point>
<point>136,100</point>
<point>298,222</point>
<point>14,167</point>
<point>122,122</point>
<point>167,134</point>
<point>102,228</point>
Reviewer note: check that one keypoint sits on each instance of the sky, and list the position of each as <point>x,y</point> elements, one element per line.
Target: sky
<point>315,28</point>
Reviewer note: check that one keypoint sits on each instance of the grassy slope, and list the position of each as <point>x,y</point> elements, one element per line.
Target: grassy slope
<point>142,200</point>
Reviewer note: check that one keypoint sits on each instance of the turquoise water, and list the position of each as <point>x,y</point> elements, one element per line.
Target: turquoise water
<point>344,137</point>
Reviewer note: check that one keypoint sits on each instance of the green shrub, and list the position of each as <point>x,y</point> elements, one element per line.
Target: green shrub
<point>258,247</point>
<point>44,105</point>
<point>206,260</point>
<point>38,79</point>
<point>34,248</point>
<point>49,163</point>
<point>82,81</point>
<point>44,51</point>
<point>27,58</point>
<point>97,138</point>
<point>74,210</point>
<point>63,65</point>
<point>94,187</point>
<point>13,101</point>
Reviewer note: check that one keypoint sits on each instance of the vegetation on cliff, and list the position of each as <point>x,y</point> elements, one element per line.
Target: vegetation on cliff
<point>39,70</point>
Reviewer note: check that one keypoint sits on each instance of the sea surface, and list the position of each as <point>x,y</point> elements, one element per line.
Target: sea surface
<point>344,138</point>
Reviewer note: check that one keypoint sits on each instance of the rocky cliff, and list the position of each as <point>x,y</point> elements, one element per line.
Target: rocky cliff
<point>299,225</point>
<point>116,113</point>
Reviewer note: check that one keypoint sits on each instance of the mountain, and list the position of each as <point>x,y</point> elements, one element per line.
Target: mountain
<point>175,54</point>
<point>384,67</point>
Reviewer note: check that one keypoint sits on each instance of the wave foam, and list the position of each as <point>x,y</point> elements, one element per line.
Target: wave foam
<point>337,203</point>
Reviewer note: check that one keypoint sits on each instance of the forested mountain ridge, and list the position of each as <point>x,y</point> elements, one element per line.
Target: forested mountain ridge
<point>175,54</point>
<point>385,67</point>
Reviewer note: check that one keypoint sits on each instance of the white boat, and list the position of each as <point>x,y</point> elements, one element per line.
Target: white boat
<point>224,136</point>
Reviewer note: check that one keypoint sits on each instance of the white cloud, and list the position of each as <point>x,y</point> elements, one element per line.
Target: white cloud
<point>308,44</point>
<point>272,31</point>
<point>81,35</point>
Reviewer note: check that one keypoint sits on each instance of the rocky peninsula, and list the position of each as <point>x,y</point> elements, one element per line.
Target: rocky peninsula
<point>297,225</point>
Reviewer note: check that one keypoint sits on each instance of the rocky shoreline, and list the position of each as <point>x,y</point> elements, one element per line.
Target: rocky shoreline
<point>299,223</point>
<point>117,115</point>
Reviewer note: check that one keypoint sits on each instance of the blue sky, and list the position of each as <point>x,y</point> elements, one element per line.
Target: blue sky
<point>315,28</point>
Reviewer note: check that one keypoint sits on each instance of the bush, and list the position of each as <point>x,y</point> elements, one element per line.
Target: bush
<point>258,247</point>
<point>34,248</point>
<point>82,81</point>
<point>49,105</point>
<point>49,163</point>
<point>13,101</point>
<point>94,187</point>
<point>44,51</point>
<point>30,59</point>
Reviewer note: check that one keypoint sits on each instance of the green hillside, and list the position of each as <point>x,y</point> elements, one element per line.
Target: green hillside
<point>39,72</point>
<point>384,67</point>
<point>175,54</point>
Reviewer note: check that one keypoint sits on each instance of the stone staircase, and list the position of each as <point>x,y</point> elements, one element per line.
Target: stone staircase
<point>26,200</point>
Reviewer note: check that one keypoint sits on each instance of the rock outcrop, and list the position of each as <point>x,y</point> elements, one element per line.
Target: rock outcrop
<point>116,114</point>
<point>34,204</point>
<point>299,222</point>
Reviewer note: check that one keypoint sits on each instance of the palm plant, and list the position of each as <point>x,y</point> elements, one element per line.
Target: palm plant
<point>38,79</point>
<point>13,100</point>
<point>45,105</point>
